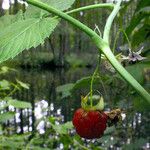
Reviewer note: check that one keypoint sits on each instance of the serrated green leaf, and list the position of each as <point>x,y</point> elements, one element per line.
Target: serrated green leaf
<point>6,116</point>
<point>19,104</point>
<point>7,20</point>
<point>59,4</point>
<point>23,35</point>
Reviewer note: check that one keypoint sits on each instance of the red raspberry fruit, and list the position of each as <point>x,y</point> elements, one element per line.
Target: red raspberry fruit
<point>89,124</point>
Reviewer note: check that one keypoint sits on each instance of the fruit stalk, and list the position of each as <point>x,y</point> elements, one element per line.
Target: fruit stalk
<point>103,45</point>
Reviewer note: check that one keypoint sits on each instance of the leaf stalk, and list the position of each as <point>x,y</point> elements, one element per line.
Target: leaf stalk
<point>102,44</point>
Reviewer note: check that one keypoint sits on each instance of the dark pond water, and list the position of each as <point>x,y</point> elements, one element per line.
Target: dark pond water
<point>45,100</point>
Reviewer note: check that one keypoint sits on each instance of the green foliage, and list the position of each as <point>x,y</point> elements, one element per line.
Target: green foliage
<point>19,104</point>
<point>30,32</point>
<point>24,35</point>
<point>74,61</point>
<point>133,146</point>
<point>138,29</point>
<point>13,142</point>
<point>137,70</point>
<point>5,69</point>
<point>85,82</point>
<point>67,89</point>
<point>24,85</point>
<point>4,85</point>
<point>7,20</point>
<point>33,11</point>
<point>139,104</point>
<point>6,116</point>
<point>62,128</point>
<point>7,89</point>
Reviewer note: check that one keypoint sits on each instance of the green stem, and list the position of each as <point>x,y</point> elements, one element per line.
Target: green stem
<point>91,85</point>
<point>13,91</point>
<point>110,21</point>
<point>126,37</point>
<point>100,43</point>
<point>120,69</point>
<point>92,80</point>
<point>63,15</point>
<point>116,38</point>
<point>108,5</point>
<point>115,41</point>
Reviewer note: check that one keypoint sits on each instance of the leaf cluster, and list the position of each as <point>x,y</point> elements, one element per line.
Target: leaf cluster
<point>25,30</point>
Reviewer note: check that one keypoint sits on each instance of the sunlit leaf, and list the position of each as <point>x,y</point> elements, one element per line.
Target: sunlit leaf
<point>4,85</point>
<point>5,69</point>
<point>24,85</point>
<point>7,20</point>
<point>23,35</point>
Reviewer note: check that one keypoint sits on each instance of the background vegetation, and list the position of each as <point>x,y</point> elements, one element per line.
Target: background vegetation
<point>62,59</point>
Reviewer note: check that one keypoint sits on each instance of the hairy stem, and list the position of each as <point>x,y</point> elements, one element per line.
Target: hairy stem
<point>103,45</point>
